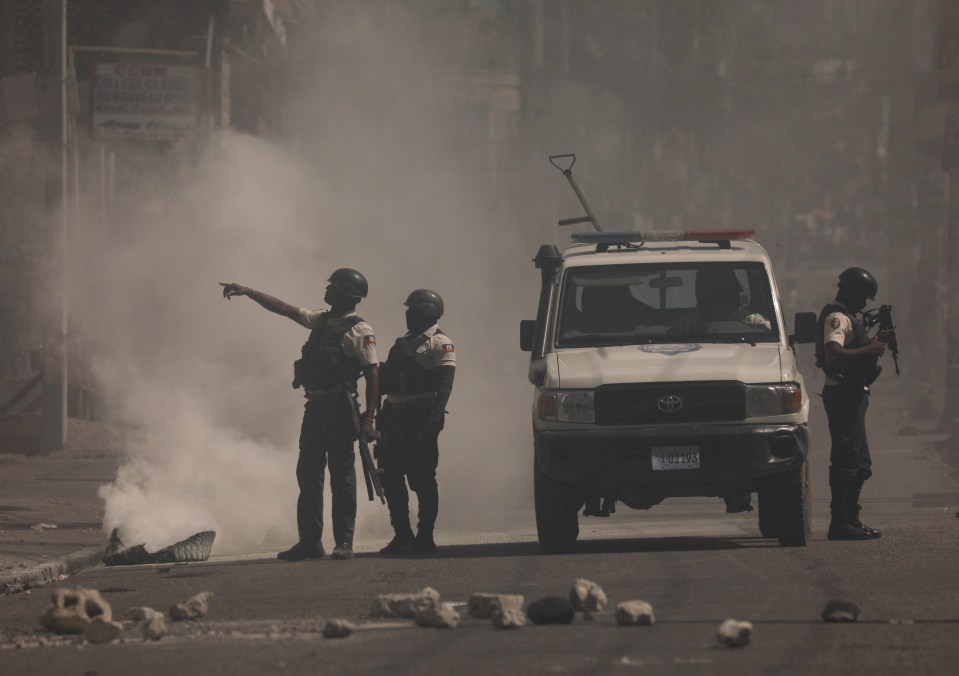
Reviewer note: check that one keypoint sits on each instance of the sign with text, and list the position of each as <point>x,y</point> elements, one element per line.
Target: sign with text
<point>145,101</point>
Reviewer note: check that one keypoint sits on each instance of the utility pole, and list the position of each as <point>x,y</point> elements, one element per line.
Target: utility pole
<point>55,385</point>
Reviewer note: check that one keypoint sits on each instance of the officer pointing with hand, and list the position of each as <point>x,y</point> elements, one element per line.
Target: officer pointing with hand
<point>417,380</point>
<point>341,346</point>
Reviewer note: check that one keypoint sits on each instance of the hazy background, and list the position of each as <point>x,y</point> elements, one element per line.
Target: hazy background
<point>205,383</point>
<point>409,140</point>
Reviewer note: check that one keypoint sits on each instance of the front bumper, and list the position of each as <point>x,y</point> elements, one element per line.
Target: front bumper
<point>617,461</point>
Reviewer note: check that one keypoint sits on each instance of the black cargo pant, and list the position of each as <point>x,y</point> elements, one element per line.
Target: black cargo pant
<point>849,461</point>
<point>405,454</point>
<point>326,438</point>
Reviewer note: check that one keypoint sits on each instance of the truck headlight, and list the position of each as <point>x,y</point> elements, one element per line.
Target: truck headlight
<point>566,406</point>
<point>768,400</point>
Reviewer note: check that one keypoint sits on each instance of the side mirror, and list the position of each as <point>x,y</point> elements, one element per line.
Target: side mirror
<point>806,324</point>
<point>527,329</point>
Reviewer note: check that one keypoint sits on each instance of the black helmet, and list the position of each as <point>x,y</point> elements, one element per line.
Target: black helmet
<point>858,281</point>
<point>426,301</point>
<point>349,282</point>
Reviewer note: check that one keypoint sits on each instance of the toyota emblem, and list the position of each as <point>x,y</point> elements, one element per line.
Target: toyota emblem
<point>670,403</point>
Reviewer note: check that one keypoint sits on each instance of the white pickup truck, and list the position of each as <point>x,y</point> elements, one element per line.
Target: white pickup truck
<point>663,368</point>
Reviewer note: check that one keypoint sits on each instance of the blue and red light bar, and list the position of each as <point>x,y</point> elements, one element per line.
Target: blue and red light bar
<point>636,237</point>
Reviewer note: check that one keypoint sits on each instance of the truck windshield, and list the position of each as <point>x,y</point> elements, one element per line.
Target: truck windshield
<point>688,302</point>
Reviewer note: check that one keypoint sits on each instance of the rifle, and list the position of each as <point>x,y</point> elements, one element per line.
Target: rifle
<point>370,472</point>
<point>882,316</point>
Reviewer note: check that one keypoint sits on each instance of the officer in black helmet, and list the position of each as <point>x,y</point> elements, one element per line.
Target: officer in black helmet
<point>848,357</point>
<point>417,380</point>
<point>341,346</point>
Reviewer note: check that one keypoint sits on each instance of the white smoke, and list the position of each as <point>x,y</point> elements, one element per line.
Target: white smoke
<point>204,384</point>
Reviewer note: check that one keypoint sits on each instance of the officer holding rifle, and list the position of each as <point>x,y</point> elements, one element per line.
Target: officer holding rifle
<point>340,347</point>
<point>848,357</point>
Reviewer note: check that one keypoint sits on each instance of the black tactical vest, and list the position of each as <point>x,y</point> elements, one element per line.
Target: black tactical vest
<point>863,372</point>
<point>323,365</point>
<point>401,374</point>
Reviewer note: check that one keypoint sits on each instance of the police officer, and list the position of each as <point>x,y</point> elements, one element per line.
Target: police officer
<point>417,381</point>
<point>341,345</point>
<point>848,356</point>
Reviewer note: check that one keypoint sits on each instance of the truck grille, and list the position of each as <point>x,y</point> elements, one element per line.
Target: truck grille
<point>656,404</point>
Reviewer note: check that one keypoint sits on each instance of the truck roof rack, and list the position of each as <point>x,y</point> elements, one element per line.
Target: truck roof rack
<point>635,239</point>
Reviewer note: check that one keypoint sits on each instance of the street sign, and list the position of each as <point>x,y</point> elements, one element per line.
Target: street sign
<point>145,101</point>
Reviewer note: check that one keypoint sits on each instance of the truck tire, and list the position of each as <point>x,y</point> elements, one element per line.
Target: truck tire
<point>557,506</point>
<point>792,508</point>
<point>767,515</point>
<point>769,508</point>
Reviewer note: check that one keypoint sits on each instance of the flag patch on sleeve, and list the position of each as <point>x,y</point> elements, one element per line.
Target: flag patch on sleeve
<point>447,348</point>
<point>369,341</point>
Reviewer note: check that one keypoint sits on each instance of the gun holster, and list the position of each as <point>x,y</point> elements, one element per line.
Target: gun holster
<point>297,374</point>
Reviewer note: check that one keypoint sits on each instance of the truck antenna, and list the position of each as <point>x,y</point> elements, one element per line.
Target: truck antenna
<point>568,173</point>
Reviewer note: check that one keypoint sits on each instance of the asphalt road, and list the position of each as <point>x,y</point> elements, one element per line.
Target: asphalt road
<point>695,564</point>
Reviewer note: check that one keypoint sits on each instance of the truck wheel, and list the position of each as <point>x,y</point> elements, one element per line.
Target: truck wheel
<point>767,516</point>
<point>557,512</point>
<point>792,500</point>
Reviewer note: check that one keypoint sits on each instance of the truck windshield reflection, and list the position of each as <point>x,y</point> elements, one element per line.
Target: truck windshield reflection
<point>649,303</point>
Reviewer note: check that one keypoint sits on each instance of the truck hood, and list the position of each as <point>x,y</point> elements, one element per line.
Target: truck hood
<point>595,366</point>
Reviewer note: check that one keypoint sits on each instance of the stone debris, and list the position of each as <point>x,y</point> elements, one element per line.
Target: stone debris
<point>99,630</point>
<point>338,628</point>
<point>551,610</point>
<point>587,597</point>
<point>40,527</point>
<point>442,616</point>
<point>484,606</point>
<point>509,618</point>
<point>138,614</point>
<point>734,633</point>
<point>154,622</point>
<point>74,609</point>
<point>840,611</point>
<point>193,608</point>
<point>633,613</point>
<point>197,547</point>
<point>404,605</point>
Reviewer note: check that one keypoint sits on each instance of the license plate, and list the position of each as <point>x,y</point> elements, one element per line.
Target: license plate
<point>675,457</point>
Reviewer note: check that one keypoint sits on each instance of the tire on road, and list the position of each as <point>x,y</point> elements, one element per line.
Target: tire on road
<point>557,506</point>
<point>791,508</point>
<point>767,515</point>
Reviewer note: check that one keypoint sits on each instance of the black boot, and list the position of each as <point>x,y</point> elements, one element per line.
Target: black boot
<point>303,550</point>
<point>853,508</point>
<point>839,526</point>
<point>422,545</point>
<point>402,538</point>
<point>429,502</point>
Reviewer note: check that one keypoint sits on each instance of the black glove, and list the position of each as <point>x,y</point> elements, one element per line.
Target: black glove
<point>431,428</point>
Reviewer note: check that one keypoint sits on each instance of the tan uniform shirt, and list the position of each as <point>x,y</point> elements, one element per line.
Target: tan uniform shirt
<point>837,328</point>
<point>435,352</point>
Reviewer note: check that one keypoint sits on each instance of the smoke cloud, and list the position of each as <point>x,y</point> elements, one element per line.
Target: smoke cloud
<point>203,384</point>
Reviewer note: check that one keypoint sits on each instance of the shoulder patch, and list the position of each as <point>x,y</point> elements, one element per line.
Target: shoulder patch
<point>369,340</point>
<point>834,323</point>
<point>447,348</point>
